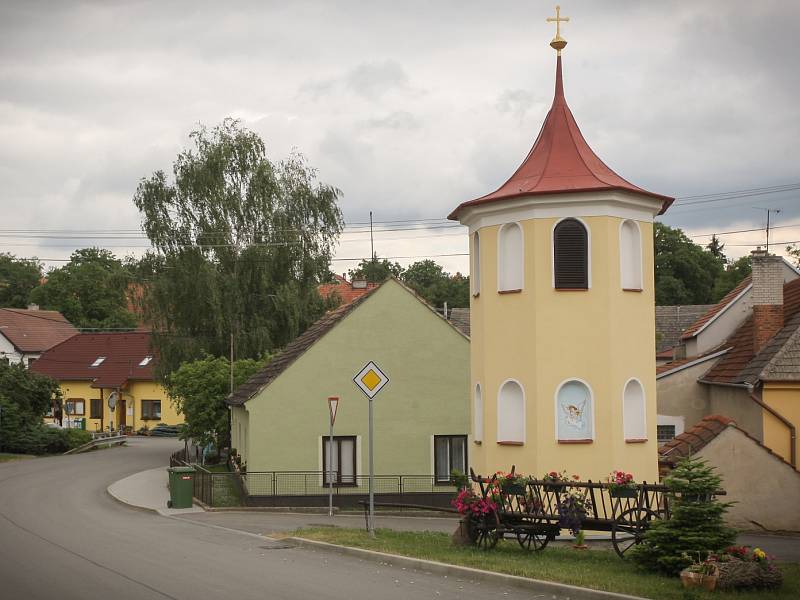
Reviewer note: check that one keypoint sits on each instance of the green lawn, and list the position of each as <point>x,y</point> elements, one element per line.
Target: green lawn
<point>9,457</point>
<point>598,569</point>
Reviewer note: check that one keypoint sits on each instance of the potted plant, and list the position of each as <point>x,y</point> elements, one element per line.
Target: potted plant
<point>580,541</point>
<point>554,481</point>
<point>621,485</point>
<point>512,484</point>
<point>701,574</point>
<point>468,503</point>
<point>573,506</point>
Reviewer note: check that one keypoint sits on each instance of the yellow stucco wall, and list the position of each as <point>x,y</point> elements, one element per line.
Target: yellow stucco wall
<point>133,394</point>
<point>785,399</point>
<point>542,337</point>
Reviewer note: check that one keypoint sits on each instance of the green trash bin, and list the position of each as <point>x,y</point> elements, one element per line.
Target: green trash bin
<point>181,487</point>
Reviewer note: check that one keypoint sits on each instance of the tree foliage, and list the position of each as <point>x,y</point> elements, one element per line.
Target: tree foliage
<point>734,272</point>
<point>241,244</point>
<point>696,525</point>
<point>685,273</point>
<point>198,390</point>
<point>18,277</point>
<point>794,254</point>
<point>89,290</point>
<point>437,286</point>
<point>376,271</point>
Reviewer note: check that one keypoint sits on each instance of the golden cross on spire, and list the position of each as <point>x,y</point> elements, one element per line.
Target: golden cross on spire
<point>558,42</point>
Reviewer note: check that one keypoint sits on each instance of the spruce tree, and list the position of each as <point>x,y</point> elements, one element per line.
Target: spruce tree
<point>696,527</point>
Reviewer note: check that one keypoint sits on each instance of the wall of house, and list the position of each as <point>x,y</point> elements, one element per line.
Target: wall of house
<point>133,395</point>
<point>426,360</point>
<point>679,394</point>
<point>785,399</point>
<point>722,327</point>
<point>735,402</point>
<point>8,351</point>
<point>240,429</point>
<point>754,479</point>
<point>543,336</point>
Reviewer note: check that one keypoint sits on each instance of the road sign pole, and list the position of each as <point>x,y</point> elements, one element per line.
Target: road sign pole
<point>371,477</point>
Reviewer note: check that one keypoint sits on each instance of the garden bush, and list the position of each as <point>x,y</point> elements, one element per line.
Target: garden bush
<point>22,433</point>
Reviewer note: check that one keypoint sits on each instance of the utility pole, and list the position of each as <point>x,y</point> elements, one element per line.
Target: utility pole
<point>371,243</point>
<point>768,211</point>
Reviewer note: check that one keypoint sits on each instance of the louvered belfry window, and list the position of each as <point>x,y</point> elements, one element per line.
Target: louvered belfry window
<point>571,255</point>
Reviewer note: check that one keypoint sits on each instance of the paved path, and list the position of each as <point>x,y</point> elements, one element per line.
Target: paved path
<point>62,536</point>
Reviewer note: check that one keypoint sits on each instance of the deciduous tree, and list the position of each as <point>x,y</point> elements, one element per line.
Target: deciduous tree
<point>18,277</point>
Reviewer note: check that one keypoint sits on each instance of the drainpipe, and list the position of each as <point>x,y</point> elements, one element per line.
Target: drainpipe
<point>782,419</point>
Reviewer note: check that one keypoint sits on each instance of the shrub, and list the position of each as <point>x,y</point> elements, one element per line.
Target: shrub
<point>696,526</point>
<point>23,433</point>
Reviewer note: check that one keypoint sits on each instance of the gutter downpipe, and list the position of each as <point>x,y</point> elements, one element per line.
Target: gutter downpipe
<point>782,419</point>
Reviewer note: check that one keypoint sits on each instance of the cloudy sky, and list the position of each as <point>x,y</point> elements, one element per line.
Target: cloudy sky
<point>408,107</point>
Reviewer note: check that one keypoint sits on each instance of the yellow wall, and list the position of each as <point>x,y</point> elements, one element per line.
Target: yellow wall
<point>133,394</point>
<point>541,337</point>
<point>785,399</point>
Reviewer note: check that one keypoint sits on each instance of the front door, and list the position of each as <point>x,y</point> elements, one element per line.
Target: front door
<point>121,412</point>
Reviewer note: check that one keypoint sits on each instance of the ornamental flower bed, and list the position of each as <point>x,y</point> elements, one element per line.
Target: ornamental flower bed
<point>467,503</point>
<point>740,567</point>
<point>621,485</point>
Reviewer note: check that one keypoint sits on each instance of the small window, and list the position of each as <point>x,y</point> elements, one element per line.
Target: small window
<point>574,412</point>
<point>151,410</point>
<point>98,361</point>
<point>339,460</point>
<point>511,414</point>
<point>476,264</point>
<point>145,361</point>
<point>665,433</point>
<point>510,258</point>
<point>630,256</point>
<point>96,408</point>
<point>570,255</point>
<point>477,415</point>
<point>634,411</point>
<point>450,454</point>
<point>75,406</point>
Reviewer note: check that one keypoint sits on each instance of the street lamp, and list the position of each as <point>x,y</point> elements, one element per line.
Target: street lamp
<point>333,405</point>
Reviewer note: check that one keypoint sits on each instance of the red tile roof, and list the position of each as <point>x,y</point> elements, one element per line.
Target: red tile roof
<point>730,368</point>
<point>123,352</point>
<point>695,327</point>
<point>344,289</point>
<point>561,161</point>
<point>694,439</point>
<point>679,362</point>
<point>34,330</point>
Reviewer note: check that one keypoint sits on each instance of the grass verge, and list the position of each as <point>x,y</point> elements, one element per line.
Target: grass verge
<point>4,457</point>
<point>597,569</point>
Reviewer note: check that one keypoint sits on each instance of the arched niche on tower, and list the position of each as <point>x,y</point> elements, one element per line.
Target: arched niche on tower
<point>630,256</point>
<point>574,412</point>
<point>634,411</point>
<point>476,264</point>
<point>511,413</point>
<point>477,414</point>
<point>571,255</point>
<point>510,258</point>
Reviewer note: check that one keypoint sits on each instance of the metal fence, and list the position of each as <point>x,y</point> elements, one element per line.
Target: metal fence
<point>309,488</point>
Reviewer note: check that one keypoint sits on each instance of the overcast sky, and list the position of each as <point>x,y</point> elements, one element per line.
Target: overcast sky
<point>408,107</point>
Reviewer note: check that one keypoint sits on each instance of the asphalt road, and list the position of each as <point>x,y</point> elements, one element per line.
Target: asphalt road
<point>62,537</point>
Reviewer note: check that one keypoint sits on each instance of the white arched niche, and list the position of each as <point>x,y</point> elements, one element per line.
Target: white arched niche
<point>477,414</point>
<point>510,258</point>
<point>630,255</point>
<point>634,415</point>
<point>574,412</point>
<point>476,264</point>
<point>511,413</point>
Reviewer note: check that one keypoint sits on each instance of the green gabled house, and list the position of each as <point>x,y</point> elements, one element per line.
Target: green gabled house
<point>280,417</point>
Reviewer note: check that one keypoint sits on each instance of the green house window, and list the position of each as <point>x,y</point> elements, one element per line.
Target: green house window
<point>450,453</point>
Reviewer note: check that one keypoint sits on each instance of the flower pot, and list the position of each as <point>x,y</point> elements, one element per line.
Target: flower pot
<point>515,489</point>
<point>690,579</point>
<point>580,546</point>
<point>548,487</point>
<point>623,492</point>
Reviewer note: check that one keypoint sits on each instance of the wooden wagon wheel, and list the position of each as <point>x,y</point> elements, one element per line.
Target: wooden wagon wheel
<point>629,528</point>
<point>482,531</point>
<point>532,540</point>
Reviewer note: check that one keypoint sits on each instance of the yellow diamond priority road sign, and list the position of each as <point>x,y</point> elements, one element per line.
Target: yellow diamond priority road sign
<point>371,380</point>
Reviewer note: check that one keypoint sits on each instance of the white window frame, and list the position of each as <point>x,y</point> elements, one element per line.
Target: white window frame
<point>644,412</point>
<point>678,422</point>
<point>588,251</point>
<point>622,257</point>
<point>500,440</point>
<point>500,257</point>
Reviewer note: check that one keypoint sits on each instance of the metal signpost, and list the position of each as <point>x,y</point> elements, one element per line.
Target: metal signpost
<point>333,404</point>
<point>371,380</point>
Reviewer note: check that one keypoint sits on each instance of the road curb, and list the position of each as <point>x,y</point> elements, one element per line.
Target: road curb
<point>440,568</point>
<point>128,504</point>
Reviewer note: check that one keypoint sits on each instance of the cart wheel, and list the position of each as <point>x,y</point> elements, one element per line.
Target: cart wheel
<point>629,528</point>
<point>532,540</point>
<point>483,532</point>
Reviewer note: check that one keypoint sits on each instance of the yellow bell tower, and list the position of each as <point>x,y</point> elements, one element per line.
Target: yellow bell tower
<point>562,311</point>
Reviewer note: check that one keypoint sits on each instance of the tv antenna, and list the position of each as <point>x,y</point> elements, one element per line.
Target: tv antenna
<point>769,211</point>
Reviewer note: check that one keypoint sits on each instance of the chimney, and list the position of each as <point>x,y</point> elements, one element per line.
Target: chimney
<point>767,297</point>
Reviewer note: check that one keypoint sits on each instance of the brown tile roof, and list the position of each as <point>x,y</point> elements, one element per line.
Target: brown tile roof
<point>680,362</point>
<point>459,317</point>
<point>694,439</point>
<point>695,327</point>
<point>294,350</point>
<point>72,359</point>
<point>784,348</point>
<point>741,364</point>
<point>344,289</point>
<point>34,330</point>
<point>672,321</point>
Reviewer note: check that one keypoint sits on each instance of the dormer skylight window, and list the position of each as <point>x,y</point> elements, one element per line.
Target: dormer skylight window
<point>98,361</point>
<point>145,361</point>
